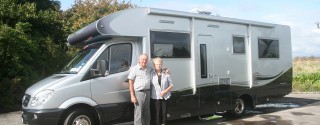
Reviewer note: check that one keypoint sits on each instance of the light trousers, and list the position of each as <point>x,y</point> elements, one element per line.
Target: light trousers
<point>142,108</point>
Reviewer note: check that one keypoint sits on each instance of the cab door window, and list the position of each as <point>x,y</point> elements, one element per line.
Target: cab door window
<point>119,58</point>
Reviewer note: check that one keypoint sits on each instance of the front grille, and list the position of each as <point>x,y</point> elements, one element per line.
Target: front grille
<point>25,100</point>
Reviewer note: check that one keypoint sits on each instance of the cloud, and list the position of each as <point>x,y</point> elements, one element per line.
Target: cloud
<point>306,42</point>
<point>317,31</point>
<point>205,7</point>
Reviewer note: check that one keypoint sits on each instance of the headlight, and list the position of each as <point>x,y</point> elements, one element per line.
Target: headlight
<point>40,97</point>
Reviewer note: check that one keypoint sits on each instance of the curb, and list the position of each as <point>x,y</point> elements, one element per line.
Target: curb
<point>304,93</point>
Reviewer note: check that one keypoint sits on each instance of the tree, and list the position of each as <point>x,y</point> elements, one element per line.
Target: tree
<point>85,12</point>
<point>43,4</point>
<point>31,46</point>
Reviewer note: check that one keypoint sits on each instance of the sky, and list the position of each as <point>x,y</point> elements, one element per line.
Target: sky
<point>300,15</point>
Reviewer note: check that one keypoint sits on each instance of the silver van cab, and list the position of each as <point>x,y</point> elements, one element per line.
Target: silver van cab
<point>83,88</point>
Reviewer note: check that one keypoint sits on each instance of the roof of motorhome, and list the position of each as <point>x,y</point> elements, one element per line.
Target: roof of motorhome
<point>155,11</point>
<point>101,26</point>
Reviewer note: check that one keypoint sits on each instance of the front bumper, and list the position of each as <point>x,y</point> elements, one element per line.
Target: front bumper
<point>41,117</point>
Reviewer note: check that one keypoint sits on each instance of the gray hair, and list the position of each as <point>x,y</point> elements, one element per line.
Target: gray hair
<point>143,54</point>
<point>158,59</point>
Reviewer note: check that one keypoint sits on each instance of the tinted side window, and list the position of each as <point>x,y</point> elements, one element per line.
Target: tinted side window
<point>170,44</point>
<point>238,45</point>
<point>268,48</point>
<point>203,60</point>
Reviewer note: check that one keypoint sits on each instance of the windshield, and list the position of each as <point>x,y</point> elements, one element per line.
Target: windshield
<point>75,65</point>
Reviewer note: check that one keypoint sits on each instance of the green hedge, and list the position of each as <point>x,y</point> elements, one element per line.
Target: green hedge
<point>306,82</point>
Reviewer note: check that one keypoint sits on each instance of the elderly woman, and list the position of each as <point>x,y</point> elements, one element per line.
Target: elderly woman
<point>160,92</point>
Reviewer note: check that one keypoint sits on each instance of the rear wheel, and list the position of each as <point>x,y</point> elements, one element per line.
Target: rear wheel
<point>239,110</point>
<point>79,117</point>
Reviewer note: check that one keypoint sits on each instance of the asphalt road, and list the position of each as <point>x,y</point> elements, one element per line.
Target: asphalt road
<point>293,109</point>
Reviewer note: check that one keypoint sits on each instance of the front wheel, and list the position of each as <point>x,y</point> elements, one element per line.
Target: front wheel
<point>239,109</point>
<point>79,117</point>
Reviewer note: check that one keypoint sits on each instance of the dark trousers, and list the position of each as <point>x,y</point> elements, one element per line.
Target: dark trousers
<point>158,108</point>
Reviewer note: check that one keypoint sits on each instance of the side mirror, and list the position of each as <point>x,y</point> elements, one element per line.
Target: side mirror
<point>101,69</point>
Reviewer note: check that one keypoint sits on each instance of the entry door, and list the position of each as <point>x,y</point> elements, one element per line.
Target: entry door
<point>205,73</point>
<point>205,59</point>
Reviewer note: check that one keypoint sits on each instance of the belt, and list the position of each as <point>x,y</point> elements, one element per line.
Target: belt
<point>144,90</point>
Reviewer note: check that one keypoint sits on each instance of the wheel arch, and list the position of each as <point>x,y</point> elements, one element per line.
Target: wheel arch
<point>81,103</point>
<point>248,100</point>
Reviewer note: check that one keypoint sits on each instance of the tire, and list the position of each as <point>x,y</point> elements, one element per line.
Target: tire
<point>239,109</point>
<point>79,117</point>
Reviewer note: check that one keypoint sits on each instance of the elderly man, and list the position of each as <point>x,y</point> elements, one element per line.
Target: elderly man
<point>139,86</point>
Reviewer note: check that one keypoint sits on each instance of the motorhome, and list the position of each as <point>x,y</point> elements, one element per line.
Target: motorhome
<point>217,64</point>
